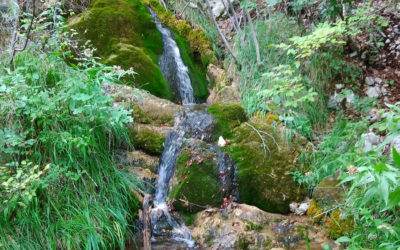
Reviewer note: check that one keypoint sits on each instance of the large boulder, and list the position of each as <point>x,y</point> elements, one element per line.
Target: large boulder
<point>265,162</point>
<point>124,34</point>
<point>200,164</point>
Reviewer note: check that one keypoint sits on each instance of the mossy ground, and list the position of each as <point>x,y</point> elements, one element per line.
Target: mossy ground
<point>264,177</point>
<point>124,33</point>
<point>198,179</point>
<point>229,116</point>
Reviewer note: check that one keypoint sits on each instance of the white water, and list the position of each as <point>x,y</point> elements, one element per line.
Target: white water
<point>177,75</point>
<point>172,66</point>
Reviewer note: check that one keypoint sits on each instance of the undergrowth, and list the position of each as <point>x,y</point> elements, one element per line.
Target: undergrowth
<point>59,186</point>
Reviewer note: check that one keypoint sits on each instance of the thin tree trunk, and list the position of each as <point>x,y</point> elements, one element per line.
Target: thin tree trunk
<point>234,14</point>
<point>253,32</point>
<point>219,31</point>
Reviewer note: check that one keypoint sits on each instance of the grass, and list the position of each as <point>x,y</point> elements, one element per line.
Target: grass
<point>58,115</point>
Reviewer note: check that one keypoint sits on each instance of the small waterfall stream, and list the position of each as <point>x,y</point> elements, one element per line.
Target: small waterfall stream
<point>174,70</point>
<point>189,122</point>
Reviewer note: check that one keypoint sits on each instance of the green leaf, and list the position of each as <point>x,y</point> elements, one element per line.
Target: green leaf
<point>343,239</point>
<point>381,167</point>
<point>396,156</point>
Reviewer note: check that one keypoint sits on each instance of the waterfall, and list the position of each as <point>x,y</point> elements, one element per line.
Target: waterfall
<point>171,64</point>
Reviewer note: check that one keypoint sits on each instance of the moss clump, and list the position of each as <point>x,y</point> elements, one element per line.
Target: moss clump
<point>124,33</point>
<point>139,116</point>
<point>147,140</point>
<point>253,227</point>
<point>264,177</point>
<point>315,212</point>
<point>229,116</point>
<point>336,226</point>
<point>197,174</point>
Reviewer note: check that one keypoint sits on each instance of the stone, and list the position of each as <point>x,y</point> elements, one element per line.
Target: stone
<point>355,53</point>
<point>378,80</point>
<point>334,101</point>
<point>299,208</point>
<point>370,81</point>
<point>396,144</point>
<point>371,141</point>
<point>223,91</point>
<point>217,7</point>
<point>350,100</point>
<point>339,86</point>
<point>372,92</point>
<point>240,226</point>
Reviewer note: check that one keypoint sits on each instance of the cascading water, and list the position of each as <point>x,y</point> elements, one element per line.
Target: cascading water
<point>171,64</point>
<point>187,123</point>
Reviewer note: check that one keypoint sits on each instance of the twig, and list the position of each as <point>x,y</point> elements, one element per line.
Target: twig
<point>328,211</point>
<point>265,146</point>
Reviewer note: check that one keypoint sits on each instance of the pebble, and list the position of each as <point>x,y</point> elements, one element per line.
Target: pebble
<point>369,81</point>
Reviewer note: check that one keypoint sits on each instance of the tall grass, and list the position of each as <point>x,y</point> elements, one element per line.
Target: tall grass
<point>52,113</point>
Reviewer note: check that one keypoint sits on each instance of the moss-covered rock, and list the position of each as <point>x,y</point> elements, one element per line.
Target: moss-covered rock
<point>264,174</point>
<point>147,140</point>
<point>124,34</point>
<point>197,179</point>
<point>328,193</point>
<point>229,116</point>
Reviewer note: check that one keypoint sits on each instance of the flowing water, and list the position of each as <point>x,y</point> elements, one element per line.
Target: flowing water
<point>171,64</point>
<point>190,123</point>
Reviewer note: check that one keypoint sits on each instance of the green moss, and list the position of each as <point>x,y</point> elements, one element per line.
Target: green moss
<point>198,179</point>
<point>336,226</point>
<point>264,178</point>
<point>253,227</point>
<point>147,140</point>
<point>139,116</point>
<point>124,33</point>
<point>229,116</point>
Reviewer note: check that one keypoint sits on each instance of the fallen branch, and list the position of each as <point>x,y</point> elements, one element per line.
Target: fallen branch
<point>253,33</point>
